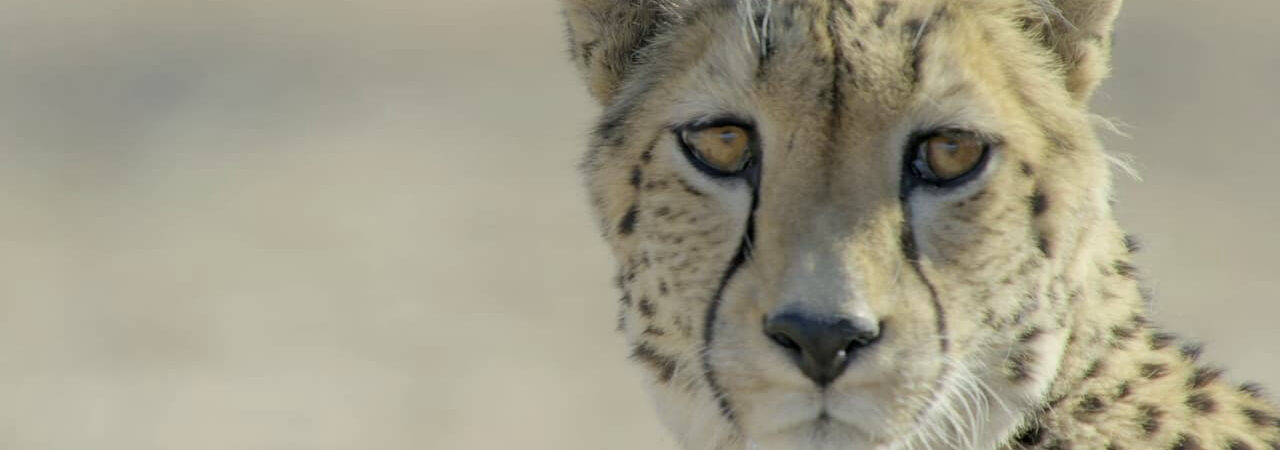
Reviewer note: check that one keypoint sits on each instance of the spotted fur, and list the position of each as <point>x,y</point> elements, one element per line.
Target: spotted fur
<point>1009,309</point>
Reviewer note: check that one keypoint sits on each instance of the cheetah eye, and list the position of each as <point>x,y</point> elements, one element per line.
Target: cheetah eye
<point>717,149</point>
<point>949,156</point>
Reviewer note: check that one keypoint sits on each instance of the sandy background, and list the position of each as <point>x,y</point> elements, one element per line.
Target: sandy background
<point>327,224</point>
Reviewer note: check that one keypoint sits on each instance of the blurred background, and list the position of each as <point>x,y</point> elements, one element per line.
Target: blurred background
<point>335,224</point>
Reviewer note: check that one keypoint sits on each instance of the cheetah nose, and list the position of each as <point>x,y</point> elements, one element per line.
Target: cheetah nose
<point>821,345</point>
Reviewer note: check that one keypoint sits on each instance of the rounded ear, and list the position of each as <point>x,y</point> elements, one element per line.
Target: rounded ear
<point>1080,33</point>
<point>605,37</point>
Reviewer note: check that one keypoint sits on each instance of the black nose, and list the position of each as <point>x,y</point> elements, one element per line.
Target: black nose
<point>821,345</point>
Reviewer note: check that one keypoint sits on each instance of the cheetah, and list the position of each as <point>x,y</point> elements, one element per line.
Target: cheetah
<point>881,224</point>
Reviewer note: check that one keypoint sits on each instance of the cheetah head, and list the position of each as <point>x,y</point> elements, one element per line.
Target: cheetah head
<point>846,223</point>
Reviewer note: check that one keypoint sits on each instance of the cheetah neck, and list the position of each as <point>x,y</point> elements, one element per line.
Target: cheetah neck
<point>1122,383</point>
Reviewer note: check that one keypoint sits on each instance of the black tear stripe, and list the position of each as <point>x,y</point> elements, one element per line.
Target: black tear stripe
<point>911,253</point>
<point>740,257</point>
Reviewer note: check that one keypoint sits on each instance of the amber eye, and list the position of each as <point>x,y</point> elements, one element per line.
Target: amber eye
<point>724,149</point>
<point>948,156</point>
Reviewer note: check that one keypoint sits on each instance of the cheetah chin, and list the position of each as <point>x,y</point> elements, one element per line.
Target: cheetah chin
<point>881,224</point>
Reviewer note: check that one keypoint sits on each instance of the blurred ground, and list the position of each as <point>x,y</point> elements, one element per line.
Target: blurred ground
<point>342,225</point>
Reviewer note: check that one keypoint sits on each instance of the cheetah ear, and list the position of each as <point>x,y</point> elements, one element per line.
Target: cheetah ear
<point>605,37</point>
<point>1080,33</point>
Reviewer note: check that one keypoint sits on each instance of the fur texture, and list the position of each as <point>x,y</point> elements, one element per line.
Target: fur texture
<point>1010,314</point>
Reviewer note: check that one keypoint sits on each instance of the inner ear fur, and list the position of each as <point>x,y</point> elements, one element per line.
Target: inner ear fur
<point>605,37</point>
<point>1080,33</point>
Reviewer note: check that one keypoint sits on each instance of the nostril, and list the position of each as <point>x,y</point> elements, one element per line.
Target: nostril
<point>784,341</point>
<point>861,341</point>
<point>864,337</point>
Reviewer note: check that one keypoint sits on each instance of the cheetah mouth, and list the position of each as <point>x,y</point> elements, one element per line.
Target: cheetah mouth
<point>821,432</point>
<point>843,421</point>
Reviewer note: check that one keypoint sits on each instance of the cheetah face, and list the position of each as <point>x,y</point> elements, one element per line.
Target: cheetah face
<point>834,219</point>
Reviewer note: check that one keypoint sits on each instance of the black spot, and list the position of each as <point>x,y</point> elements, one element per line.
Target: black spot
<point>1030,335</point>
<point>626,299</point>
<point>1094,369</point>
<point>609,130</point>
<point>1260,418</point>
<point>647,155</point>
<point>1161,340</point>
<point>846,67</point>
<point>662,287</point>
<point>1124,390</point>
<point>646,307</point>
<point>1202,402</point>
<point>1203,376</point>
<point>662,211</point>
<point>1131,244</point>
<point>1019,365</point>
<point>691,190</point>
<point>915,32</point>
<point>939,14</point>
<point>1053,404</point>
<point>1124,268</point>
<point>587,50</point>
<point>1042,243</point>
<point>1039,203</point>
<point>636,176</point>
<point>1031,436</point>
<point>1252,389</point>
<point>1150,418</point>
<point>882,12</point>
<point>1123,332</point>
<point>665,366</point>
<point>653,331</point>
<point>1088,407</point>
<point>913,28</point>
<point>1027,169</point>
<point>1236,444</point>
<point>1186,442</point>
<point>627,225</point>
<point>1154,370</point>
<point>1192,351</point>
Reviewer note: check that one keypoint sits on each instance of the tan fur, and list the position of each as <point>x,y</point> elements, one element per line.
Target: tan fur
<point>1010,314</point>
